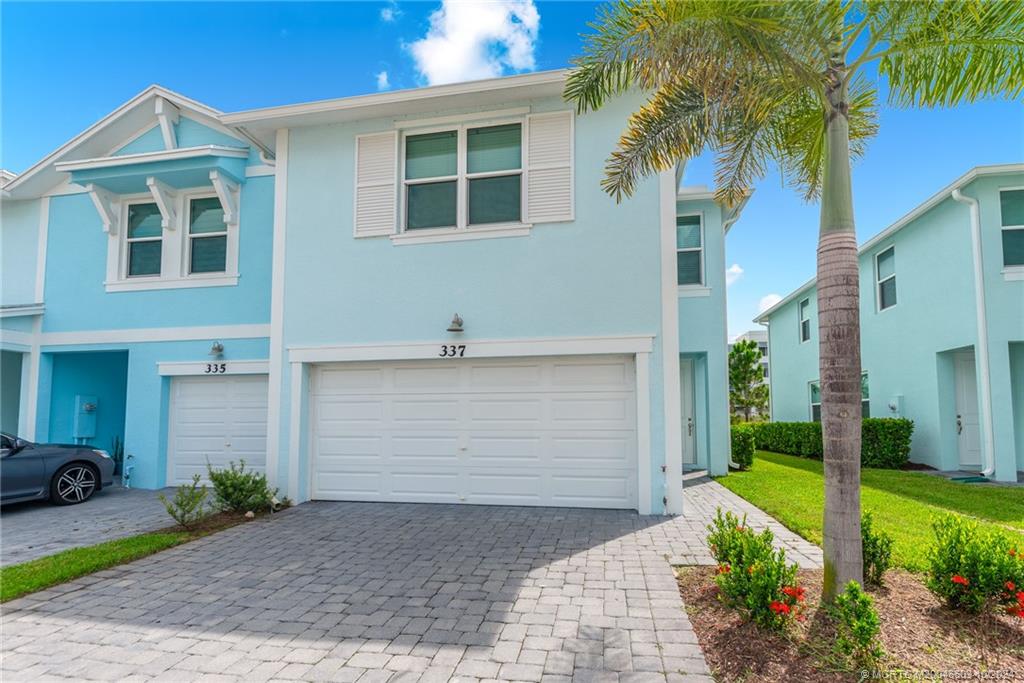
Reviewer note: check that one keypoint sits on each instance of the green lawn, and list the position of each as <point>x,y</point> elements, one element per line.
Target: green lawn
<point>791,489</point>
<point>35,575</point>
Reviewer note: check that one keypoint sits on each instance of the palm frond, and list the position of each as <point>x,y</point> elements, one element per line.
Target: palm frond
<point>943,53</point>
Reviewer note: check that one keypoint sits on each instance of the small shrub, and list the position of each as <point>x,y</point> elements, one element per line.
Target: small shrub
<point>975,569</point>
<point>752,575</point>
<point>239,490</point>
<point>189,504</point>
<point>857,627</point>
<point>742,445</point>
<point>877,550</point>
<point>885,441</point>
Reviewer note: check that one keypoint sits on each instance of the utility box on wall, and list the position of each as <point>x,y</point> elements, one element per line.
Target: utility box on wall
<point>85,417</point>
<point>896,406</point>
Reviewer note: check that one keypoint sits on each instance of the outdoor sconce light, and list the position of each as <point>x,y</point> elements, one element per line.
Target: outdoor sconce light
<point>456,324</point>
<point>217,349</point>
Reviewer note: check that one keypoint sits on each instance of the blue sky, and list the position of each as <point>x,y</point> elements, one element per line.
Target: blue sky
<point>65,65</point>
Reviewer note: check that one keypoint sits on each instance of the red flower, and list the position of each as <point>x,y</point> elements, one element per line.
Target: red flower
<point>1015,611</point>
<point>960,580</point>
<point>1020,597</point>
<point>750,569</point>
<point>796,592</point>
<point>779,607</point>
<point>1010,587</point>
<point>1013,552</point>
<point>724,569</point>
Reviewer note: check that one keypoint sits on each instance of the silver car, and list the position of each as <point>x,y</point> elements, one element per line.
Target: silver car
<point>65,474</point>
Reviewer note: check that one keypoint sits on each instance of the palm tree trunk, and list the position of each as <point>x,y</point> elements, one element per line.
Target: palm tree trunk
<point>839,350</point>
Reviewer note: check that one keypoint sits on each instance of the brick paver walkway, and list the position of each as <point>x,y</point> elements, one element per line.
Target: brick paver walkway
<point>374,592</point>
<point>31,530</point>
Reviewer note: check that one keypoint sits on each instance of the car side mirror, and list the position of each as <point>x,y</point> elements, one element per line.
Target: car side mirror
<point>19,445</point>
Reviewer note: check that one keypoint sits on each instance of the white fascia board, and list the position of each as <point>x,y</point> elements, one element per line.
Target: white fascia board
<point>294,114</point>
<point>145,157</point>
<point>475,348</point>
<point>930,203</point>
<point>19,310</point>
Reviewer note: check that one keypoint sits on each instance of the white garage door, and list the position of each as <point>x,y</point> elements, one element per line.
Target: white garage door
<point>539,431</point>
<point>216,419</point>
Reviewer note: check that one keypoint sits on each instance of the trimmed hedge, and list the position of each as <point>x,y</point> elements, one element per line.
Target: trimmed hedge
<point>885,441</point>
<point>742,445</point>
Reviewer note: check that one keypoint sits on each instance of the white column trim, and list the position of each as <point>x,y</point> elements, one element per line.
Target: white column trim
<point>276,365</point>
<point>670,345</point>
<point>43,237</point>
<point>643,432</point>
<point>295,433</point>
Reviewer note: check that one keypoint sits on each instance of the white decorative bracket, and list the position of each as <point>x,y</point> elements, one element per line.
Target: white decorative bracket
<point>227,192</point>
<point>167,115</point>
<point>107,206</point>
<point>165,198</point>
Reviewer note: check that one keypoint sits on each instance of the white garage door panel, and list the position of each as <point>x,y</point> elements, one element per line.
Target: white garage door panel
<point>538,431</point>
<point>216,420</point>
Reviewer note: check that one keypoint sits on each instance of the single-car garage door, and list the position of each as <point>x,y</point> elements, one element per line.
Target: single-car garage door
<point>536,431</point>
<point>216,420</point>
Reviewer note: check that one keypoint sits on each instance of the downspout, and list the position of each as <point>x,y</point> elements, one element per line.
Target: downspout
<point>982,323</point>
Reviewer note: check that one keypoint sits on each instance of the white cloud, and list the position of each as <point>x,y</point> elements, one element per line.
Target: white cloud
<point>733,273</point>
<point>390,12</point>
<point>382,80</point>
<point>469,40</point>
<point>767,301</point>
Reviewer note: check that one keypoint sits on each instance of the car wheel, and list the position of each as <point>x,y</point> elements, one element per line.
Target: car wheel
<point>73,483</point>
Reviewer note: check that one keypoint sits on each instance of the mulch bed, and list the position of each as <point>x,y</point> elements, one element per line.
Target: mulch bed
<point>918,634</point>
<point>211,523</point>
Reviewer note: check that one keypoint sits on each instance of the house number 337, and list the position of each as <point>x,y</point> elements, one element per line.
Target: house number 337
<point>452,350</point>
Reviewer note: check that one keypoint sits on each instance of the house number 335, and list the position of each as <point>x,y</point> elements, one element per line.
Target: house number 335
<point>452,350</point>
<point>216,368</point>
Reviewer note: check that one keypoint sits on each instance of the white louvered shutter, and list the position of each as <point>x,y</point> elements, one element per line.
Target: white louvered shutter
<point>376,200</point>
<point>549,193</point>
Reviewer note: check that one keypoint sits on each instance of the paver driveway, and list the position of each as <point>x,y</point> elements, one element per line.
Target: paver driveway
<point>347,591</point>
<point>31,530</point>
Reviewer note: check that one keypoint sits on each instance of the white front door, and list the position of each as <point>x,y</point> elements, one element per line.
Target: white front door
<point>216,420</point>
<point>967,424</point>
<point>686,406</point>
<point>512,431</point>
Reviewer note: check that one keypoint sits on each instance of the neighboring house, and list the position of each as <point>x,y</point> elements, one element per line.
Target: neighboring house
<point>926,352</point>
<point>409,296</point>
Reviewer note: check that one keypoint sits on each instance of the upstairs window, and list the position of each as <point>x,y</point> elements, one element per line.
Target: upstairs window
<point>1011,205</point>
<point>207,236</point>
<point>865,402</point>
<point>804,311</point>
<point>144,241</point>
<point>885,276</point>
<point>689,250</point>
<point>464,177</point>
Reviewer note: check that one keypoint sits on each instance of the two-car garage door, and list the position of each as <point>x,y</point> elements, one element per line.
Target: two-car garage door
<point>537,431</point>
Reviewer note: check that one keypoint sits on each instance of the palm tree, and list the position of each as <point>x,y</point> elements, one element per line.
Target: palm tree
<point>762,82</point>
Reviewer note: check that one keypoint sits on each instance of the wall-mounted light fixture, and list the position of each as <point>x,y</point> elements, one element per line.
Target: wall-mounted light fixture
<point>217,349</point>
<point>456,324</point>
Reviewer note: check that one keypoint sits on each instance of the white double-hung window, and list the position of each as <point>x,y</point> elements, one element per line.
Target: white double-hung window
<point>207,236</point>
<point>488,175</point>
<point>804,312</point>
<point>463,177</point>
<point>143,241</point>
<point>885,277</point>
<point>1011,212</point>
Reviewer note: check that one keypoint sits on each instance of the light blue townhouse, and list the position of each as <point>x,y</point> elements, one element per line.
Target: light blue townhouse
<point>417,296</point>
<point>942,328</point>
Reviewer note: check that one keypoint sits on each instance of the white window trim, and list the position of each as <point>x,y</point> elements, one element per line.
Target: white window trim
<point>800,321</point>
<point>1015,272</point>
<point>811,403</point>
<point>461,230</point>
<point>697,288</point>
<point>175,248</point>
<point>189,238</point>
<point>879,281</point>
<point>127,241</point>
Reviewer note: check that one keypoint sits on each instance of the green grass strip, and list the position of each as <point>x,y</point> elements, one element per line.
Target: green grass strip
<point>792,490</point>
<point>35,575</point>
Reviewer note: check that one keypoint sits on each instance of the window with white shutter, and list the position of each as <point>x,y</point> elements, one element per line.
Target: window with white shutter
<point>549,193</point>
<point>376,200</point>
